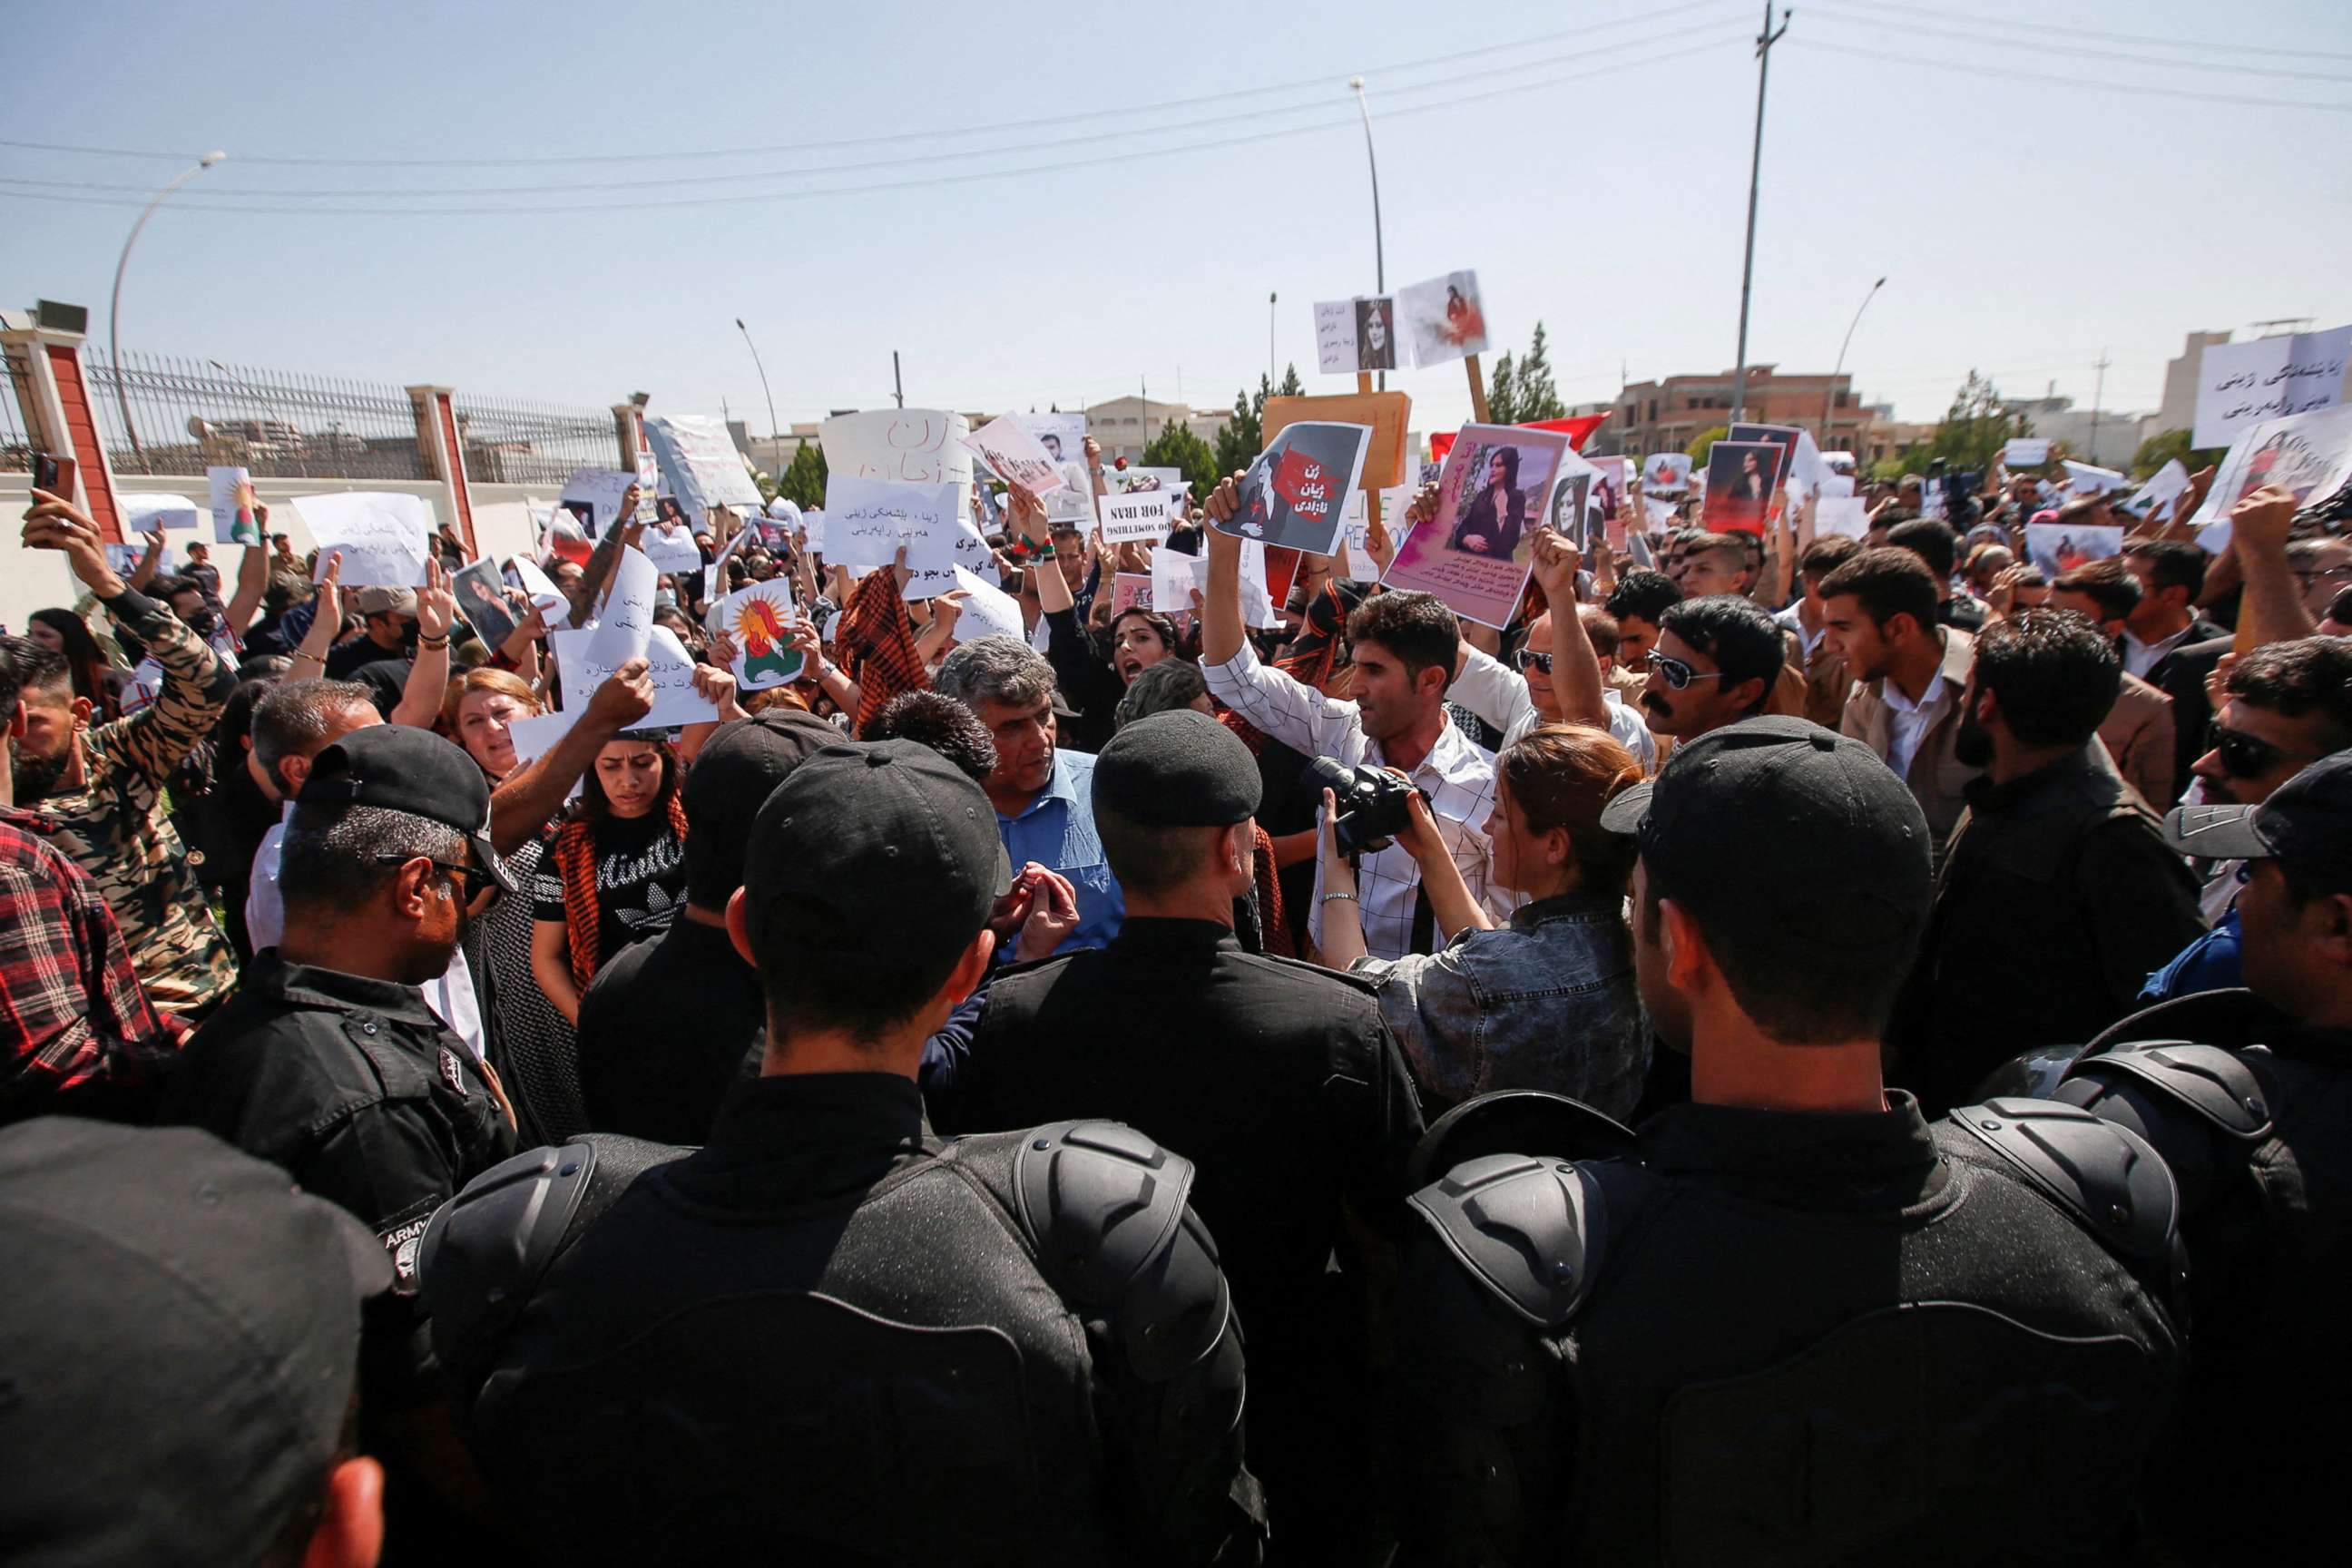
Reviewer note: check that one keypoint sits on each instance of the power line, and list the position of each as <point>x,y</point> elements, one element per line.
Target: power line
<point>2039,25</point>
<point>2010,41</point>
<point>1233,95</point>
<point>2008,73</point>
<point>635,205</point>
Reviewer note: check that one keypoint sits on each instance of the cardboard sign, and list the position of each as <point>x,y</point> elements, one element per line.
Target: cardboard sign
<point>1476,552</point>
<point>384,537</point>
<point>1385,412</point>
<point>701,465</point>
<point>1443,319</point>
<point>149,513</point>
<point>600,491</point>
<point>1295,494</point>
<point>761,618</point>
<point>866,520</point>
<point>1141,515</point>
<point>225,529</point>
<point>1017,456</point>
<point>2240,385</point>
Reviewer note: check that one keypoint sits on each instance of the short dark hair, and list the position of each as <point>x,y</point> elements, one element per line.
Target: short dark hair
<point>166,588</point>
<point>332,862</point>
<point>1643,593</point>
<point>1744,642</point>
<point>1837,995</point>
<point>2339,608</point>
<point>1416,627</point>
<point>2055,674</point>
<point>943,724</point>
<point>2307,675</point>
<point>1827,554</point>
<point>293,717</point>
<point>39,669</point>
<point>12,670</point>
<point>1886,581</point>
<point>1600,629</point>
<point>1150,859</point>
<point>1928,540</point>
<point>2107,583</point>
<point>2171,564</point>
<point>1170,684</point>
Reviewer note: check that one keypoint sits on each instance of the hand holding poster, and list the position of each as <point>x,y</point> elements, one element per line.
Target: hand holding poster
<point>1740,478</point>
<point>601,491</point>
<point>1064,437</point>
<point>152,514</point>
<point>382,536</point>
<point>761,618</point>
<point>701,465</point>
<point>868,520</point>
<point>1443,319</point>
<point>1018,457</point>
<point>1295,494</point>
<point>669,667</point>
<point>225,483</point>
<point>2240,385</point>
<point>1475,553</point>
<point>988,610</point>
<point>624,621</point>
<point>2309,454</point>
<point>481,596</point>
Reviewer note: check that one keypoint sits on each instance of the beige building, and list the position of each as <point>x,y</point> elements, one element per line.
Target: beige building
<point>1668,416</point>
<point>1125,426</point>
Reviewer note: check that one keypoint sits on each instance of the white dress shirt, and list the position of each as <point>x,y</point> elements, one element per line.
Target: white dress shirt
<point>2139,658</point>
<point>1907,722</point>
<point>1498,694</point>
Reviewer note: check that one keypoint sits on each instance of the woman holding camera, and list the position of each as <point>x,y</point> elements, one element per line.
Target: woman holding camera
<point>1547,1001</point>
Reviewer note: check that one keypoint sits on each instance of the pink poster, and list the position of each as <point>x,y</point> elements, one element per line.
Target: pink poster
<point>1476,552</point>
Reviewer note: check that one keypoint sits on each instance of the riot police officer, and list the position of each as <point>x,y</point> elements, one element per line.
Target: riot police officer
<point>1794,1323</point>
<point>829,1335</point>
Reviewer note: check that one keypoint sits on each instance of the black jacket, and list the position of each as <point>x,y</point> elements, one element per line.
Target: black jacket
<point>2180,675</point>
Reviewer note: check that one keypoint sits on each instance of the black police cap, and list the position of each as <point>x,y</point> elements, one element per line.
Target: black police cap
<point>398,767</point>
<point>1180,769</point>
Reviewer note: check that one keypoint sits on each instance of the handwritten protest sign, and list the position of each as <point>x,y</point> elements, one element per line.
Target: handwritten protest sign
<point>760,619</point>
<point>1335,336</point>
<point>900,446</point>
<point>1441,319</point>
<point>2024,452</point>
<point>669,667</point>
<point>1385,412</point>
<point>161,509</point>
<point>1295,494</point>
<point>382,536</point>
<point>1016,455</point>
<point>1475,553</point>
<point>600,491</point>
<point>224,483</point>
<point>701,465</point>
<point>672,548</point>
<point>988,610</point>
<point>2309,454</point>
<point>868,520</point>
<point>2243,385</point>
<point>2060,547</point>
<point>971,552</point>
<point>624,621</point>
<point>1142,515</point>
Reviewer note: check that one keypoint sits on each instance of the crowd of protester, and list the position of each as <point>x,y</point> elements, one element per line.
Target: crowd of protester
<point>1797,1049</point>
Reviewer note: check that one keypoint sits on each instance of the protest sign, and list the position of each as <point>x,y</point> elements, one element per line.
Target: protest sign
<point>1018,457</point>
<point>1475,553</point>
<point>2086,480</point>
<point>701,465</point>
<point>224,483</point>
<point>1443,320</point>
<point>1142,515</point>
<point>2060,547</point>
<point>1131,591</point>
<point>601,491</point>
<point>2163,490</point>
<point>1384,412</point>
<point>1666,473</point>
<point>1571,510</point>
<point>1836,487</point>
<point>971,552</point>
<point>902,446</point>
<point>1335,336</point>
<point>544,594</point>
<point>1376,333</point>
<point>1355,564</point>
<point>152,512</point>
<point>1176,577</point>
<point>866,520</point>
<point>2243,385</point>
<point>1849,515</point>
<point>1740,478</point>
<point>384,537</point>
<point>1064,437</point>
<point>988,610</point>
<point>1609,484</point>
<point>1838,463</point>
<point>624,620</point>
<point>1658,511</point>
<point>481,595</point>
<point>1931,498</point>
<point>1130,478</point>
<point>760,619</point>
<point>1791,440</point>
<point>669,667</point>
<point>535,736</point>
<point>672,548</point>
<point>2309,454</point>
<point>1295,494</point>
<point>2024,452</point>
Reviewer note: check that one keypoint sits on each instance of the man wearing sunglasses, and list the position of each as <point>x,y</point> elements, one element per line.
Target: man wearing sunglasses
<point>1714,664</point>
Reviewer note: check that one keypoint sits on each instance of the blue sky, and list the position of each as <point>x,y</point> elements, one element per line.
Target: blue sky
<point>2032,198</point>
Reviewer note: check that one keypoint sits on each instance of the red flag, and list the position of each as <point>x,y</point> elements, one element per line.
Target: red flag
<point>1578,430</point>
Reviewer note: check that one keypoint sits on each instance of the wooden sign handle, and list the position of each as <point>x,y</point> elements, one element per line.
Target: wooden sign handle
<point>1477,388</point>
<point>1363,381</point>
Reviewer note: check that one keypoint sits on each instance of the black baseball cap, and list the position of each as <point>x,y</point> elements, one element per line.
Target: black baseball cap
<point>1177,768</point>
<point>873,844</point>
<point>178,1343</point>
<point>2307,824</point>
<point>737,768</point>
<point>398,767</point>
<point>1744,818</point>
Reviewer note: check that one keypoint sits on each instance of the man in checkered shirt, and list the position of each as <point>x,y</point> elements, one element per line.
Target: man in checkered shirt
<point>1404,648</point>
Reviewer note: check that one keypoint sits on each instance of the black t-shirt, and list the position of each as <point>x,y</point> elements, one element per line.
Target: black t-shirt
<point>666,1030</point>
<point>640,882</point>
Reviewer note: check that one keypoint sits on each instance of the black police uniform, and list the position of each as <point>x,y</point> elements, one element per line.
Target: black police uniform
<point>2257,1128</point>
<point>1280,1080</point>
<point>1799,1337</point>
<point>828,1336</point>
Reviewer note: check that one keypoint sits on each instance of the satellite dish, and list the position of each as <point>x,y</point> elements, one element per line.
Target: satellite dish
<point>198,428</point>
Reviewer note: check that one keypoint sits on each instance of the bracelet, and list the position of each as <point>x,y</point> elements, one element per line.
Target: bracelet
<point>318,659</point>
<point>1349,898</point>
<point>436,644</point>
<point>1045,553</point>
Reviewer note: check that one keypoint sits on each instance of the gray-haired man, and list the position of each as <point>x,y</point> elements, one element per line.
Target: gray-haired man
<point>1043,795</point>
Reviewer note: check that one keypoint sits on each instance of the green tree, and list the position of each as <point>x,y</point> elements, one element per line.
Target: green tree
<point>802,482</point>
<point>1244,437</point>
<point>1974,428</point>
<point>2166,445</point>
<point>1177,447</point>
<point>1503,393</point>
<point>1703,445</point>
<point>1522,390</point>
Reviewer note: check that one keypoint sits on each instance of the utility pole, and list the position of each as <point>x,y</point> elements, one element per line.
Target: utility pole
<point>898,387</point>
<point>2098,390</point>
<point>1764,42</point>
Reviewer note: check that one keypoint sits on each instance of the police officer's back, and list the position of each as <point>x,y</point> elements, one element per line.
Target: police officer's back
<point>827,1336</point>
<point>1279,1080</point>
<point>2248,1095</point>
<point>1796,1324</point>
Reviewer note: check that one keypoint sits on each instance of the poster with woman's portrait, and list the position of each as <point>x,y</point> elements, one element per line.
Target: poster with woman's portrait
<point>1295,494</point>
<point>1443,319</point>
<point>1740,477</point>
<point>1496,490</point>
<point>1376,334</point>
<point>482,599</point>
<point>2059,547</point>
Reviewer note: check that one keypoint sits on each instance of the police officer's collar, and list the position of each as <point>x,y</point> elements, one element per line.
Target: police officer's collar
<point>335,990</point>
<point>792,1116</point>
<point>1802,1146</point>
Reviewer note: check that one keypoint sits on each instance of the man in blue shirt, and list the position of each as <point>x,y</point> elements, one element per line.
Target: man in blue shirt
<point>1043,795</point>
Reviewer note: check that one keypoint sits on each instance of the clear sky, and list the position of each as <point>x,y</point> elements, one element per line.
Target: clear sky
<point>2033,195</point>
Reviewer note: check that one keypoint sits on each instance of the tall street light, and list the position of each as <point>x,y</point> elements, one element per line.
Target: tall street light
<point>1830,391</point>
<point>770,396</point>
<point>1764,42</point>
<point>1271,295</point>
<point>1379,254</point>
<point>114,310</point>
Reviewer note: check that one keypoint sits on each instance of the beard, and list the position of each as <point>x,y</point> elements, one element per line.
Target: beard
<point>1972,745</point>
<point>36,778</point>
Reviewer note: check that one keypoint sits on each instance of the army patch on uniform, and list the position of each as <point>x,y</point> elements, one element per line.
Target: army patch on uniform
<point>402,1242</point>
<point>451,1073</point>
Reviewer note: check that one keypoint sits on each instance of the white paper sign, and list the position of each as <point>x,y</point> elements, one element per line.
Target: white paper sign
<point>972,555</point>
<point>2156,498</point>
<point>1848,515</point>
<point>624,621</point>
<point>2243,385</point>
<point>1016,455</point>
<point>1175,577</point>
<point>1064,437</point>
<point>384,536</point>
<point>902,446</point>
<point>544,594</point>
<point>866,520</point>
<point>2086,480</point>
<point>1836,487</point>
<point>1140,516</point>
<point>2307,454</point>
<point>224,483</point>
<point>603,490</point>
<point>535,736</point>
<point>669,667</point>
<point>1335,336</point>
<point>701,465</point>
<point>672,549</point>
<point>988,610</point>
<point>2025,452</point>
<point>146,513</point>
<point>760,619</point>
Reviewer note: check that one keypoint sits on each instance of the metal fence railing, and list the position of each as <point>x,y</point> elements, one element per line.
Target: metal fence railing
<point>514,443</point>
<point>164,416</point>
<point>16,445</point>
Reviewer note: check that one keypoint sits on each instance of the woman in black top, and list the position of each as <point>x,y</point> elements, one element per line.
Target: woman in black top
<point>615,872</point>
<point>1497,518</point>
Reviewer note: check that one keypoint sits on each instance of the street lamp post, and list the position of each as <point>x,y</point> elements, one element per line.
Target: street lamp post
<point>1764,42</point>
<point>773,435</point>
<point>1379,252</point>
<point>114,309</point>
<point>1271,296</point>
<point>1830,391</point>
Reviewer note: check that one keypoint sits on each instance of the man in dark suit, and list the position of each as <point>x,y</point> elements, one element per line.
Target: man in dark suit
<point>2168,644</point>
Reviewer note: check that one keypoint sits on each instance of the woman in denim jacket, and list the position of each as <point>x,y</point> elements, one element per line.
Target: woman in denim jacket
<point>1547,1001</point>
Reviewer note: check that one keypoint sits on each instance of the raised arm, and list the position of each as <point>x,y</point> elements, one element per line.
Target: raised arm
<point>428,677</point>
<point>534,793</point>
<point>1222,637</point>
<point>605,557</point>
<point>1575,667</point>
<point>253,571</point>
<point>2273,610</point>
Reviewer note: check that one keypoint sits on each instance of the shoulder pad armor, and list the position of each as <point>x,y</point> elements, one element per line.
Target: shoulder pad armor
<point>2230,1018</point>
<point>1530,1121</point>
<point>2107,1177</point>
<point>1104,1208</point>
<point>2206,1080</point>
<point>488,1247</point>
<point>1531,1231</point>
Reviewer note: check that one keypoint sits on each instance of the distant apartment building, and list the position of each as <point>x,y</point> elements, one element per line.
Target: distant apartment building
<point>1668,416</point>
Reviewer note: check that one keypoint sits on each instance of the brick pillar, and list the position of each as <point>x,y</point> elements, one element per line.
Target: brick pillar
<point>629,428</point>
<point>445,452</point>
<point>55,397</point>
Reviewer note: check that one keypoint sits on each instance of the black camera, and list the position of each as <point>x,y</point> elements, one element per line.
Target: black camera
<point>1373,803</point>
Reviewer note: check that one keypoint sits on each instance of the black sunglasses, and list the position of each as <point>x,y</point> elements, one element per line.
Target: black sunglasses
<point>2245,756</point>
<point>1678,674</point>
<point>1530,659</point>
<point>471,879</point>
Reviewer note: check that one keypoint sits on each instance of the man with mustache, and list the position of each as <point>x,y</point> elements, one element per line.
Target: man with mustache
<point>1714,664</point>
